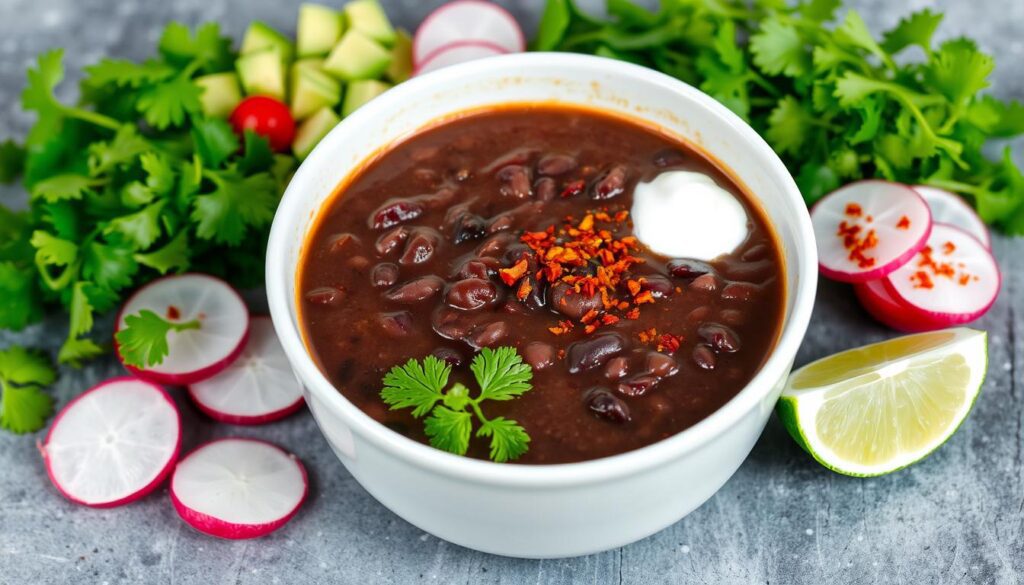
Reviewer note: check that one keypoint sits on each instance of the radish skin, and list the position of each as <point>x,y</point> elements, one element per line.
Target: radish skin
<point>451,23</point>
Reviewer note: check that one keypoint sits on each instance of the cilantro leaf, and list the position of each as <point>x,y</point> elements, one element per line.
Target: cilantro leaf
<point>171,257</point>
<point>110,265</point>
<point>23,374</point>
<point>142,342</point>
<point>166,104</point>
<point>236,204</point>
<point>501,373</point>
<point>916,29</point>
<point>77,349</point>
<point>19,298</point>
<point>959,70</point>
<point>12,161</point>
<point>124,148</point>
<point>123,73</point>
<point>853,31</point>
<point>779,49</point>
<point>38,96</point>
<point>53,252</point>
<point>141,228</point>
<point>63,188</point>
<point>207,48</point>
<point>159,173</point>
<point>449,430</point>
<point>257,154</point>
<point>788,125</point>
<point>415,385</point>
<point>553,24</point>
<point>508,440</point>
<point>215,141</point>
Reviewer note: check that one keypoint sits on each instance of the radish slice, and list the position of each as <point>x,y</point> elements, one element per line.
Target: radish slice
<point>193,354</point>
<point>950,208</point>
<point>954,279</point>
<point>867,229</point>
<point>238,488</point>
<point>113,444</point>
<point>455,53</point>
<point>258,387</point>
<point>467,20</point>
<point>874,296</point>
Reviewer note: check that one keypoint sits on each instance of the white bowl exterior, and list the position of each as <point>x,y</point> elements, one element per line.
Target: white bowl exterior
<point>554,510</point>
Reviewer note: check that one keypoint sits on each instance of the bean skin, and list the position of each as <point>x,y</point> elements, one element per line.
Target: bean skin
<point>325,295</point>
<point>705,283</point>
<point>570,303</point>
<point>449,356</point>
<point>539,355</point>
<point>420,247</point>
<point>394,212</point>
<point>638,385</point>
<point>739,291</point>
<point>515,182</point>
<point>390,241</point>
<point>688,269</point>
<point>616,368</point>
<point>610,184</point>
<point>416,290</point>
<point>398,324</point>
<point>606,405</point>
<point>384,275</point>
<point>704,357</point>
<point>720,338</point>
<point>489,335</point>
<point>471,294</point>
<point>593,352</point>
<point>553,165</point>
<point>661,365</point>
<point>545,189</point>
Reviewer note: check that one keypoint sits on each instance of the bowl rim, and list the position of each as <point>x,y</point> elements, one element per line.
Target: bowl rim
<point>541,475</point>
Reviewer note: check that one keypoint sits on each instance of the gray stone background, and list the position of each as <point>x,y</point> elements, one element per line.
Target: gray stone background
<point>957,517</point>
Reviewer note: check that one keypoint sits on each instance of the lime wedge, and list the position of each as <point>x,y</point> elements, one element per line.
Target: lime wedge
<point>875,409</point>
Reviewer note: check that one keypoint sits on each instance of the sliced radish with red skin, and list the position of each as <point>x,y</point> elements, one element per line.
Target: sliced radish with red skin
<point>467,20</point>
<point>194,354</point>
<point>867,229</point>
<point>954,279</point>
<point>257,388</point>
<point>455,53</point>
<point>114,443</point>
<point>880,304</point>
<point>948,207</point>
<point>238,488</point>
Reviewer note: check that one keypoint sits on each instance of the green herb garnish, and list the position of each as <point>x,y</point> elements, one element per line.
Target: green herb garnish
<point>835,103</point>
<point>23,374</point>
<point>423,386</point>
<point>142,342</point>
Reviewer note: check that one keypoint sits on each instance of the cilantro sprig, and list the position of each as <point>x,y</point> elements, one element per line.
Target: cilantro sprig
<point>23,375</point>
<point>836,103</point>
<point>142,342</point>
<point>423,386</point>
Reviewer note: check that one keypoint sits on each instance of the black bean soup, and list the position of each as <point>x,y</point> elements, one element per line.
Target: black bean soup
<point>510,227</point>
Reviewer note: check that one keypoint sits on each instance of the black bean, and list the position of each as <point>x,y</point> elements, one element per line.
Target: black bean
<point>553,165</point>
<point>594,351</point>
<point>670,157</point>
<point>448,355</point>
<point>416,290</point>
<point>472,268</point>
<point>495,245</point>
<point>610,184</point>
<point>488,335</point>
<point>699,315</point>
<point>606,405</point>
<point>340,242</point>
<point>616,368</point>
<point>545,189</point>
<point>325,295</point>
<point>441,198</point>
<point>420,247</point>
<point>390,241</point>
<point>753,271</point>
<point>539,355</point>
<point>515,182</point>
<point>451,323</point>
<point>720,338</point>
<point>468,226</point>
<point>661,365</point>
<point>538,295</point>
<point>397,324</point>
<point>514,216</point>
<point>687,269</point>
<point>705,283</point>
<point>565,300</point>
<point>471,293</point>
<point>394,212</point>
<point>358,263</point>
<point>704,357</point>
<point>638,385</point>
<point>659,285</point>
<point>384,275</point>
<point>732,317</point>
<point>739,291</point>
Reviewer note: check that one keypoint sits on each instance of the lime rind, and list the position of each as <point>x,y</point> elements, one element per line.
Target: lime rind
<point>796,409</point>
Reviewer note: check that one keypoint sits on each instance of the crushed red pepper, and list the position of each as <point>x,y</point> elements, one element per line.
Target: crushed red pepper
<point>856,241</point>
<point>929,267</point>
<point>903,223</point>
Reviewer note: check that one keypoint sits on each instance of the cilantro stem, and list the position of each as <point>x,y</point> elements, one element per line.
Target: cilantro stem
<point>179,327</point>
<point>92,118</point>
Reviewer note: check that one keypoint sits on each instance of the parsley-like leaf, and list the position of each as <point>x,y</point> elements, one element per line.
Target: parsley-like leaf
<point>167,103</point>
<point>171,257</point>
<point>123,149</point>
<point>778,48</point>
<point>508,440</point>
<point>415,385</point>
<point>63,188</point>
<point>208,48</point>
<point>237,204</point>
<point>501,373</point>
<point>19,299</point>
<point>916,29</point>
<point>449,429</point>
<point>141,228</point>
<point>215,141</point>
<point>123,73</point>
<point>142,342</point>
<point>23,374</point>
<point>12,161</point>
<point>109,265</point>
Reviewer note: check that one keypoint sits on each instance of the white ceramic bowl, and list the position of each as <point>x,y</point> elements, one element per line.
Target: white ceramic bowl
<point>563,510</point>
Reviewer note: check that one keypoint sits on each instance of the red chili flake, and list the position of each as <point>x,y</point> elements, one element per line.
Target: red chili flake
<point>920,279</point>
<point>173,313</point>
<point>857,244</point>
<point>647,335</point>
<point>853,210</point>
<point>510,275</point>
<point>607,319</point>
<point>669,343</point>
<point>644,297</point>
<point>633,286</point>
<point>589,316</point>
<point>633,314</point>
<point>948,248</point>
<point>574,188</point>
<point>903,223</point>
<point>524,289</point>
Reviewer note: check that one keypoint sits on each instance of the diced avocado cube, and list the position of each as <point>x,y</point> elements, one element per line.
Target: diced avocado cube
<point>319,29</point>
<point>359,92</point>
<point>263,73</point>
<point>312,131</point>
<point>221,93</point>
<point>401,58</point>
<point>308,63</point>
<point>367,17</point>
<point>260,36</point>
<point>357,56</point>
<point>312,89</point>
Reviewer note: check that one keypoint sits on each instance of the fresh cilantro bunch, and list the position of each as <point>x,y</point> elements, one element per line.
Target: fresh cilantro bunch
<point>423,386</point>
<point>835,103</point>
<point>131,183</point>
<point>23,375</point>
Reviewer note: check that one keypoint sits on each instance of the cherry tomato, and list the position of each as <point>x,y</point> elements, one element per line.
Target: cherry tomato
<point>268,118</point>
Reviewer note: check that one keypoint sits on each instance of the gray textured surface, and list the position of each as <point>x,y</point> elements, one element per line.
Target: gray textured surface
<point>958,517</point>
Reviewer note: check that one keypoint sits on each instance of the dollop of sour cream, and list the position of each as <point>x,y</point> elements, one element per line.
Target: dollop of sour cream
<point>683,214</point>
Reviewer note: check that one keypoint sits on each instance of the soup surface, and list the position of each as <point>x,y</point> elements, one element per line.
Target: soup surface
<point>511,227</point>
